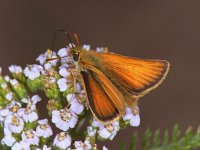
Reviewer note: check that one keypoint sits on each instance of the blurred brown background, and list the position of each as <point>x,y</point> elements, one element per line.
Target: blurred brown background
<point>148,29</point>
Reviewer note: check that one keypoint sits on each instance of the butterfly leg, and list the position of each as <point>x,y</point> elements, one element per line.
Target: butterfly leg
<point>74,78</point>
<point>75,73</point>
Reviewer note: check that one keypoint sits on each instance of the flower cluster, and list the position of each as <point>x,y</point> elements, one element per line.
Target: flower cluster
<point>67,106</point>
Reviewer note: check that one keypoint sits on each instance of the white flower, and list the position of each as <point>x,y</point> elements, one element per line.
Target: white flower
<point>21,146</point>
<point>48,66</point>
<point>33,71</point>
<point>63,52</point>
<point>44,148</point>
<point>76,106</point>
<point>14,123</point>
<point>102,49</point>
<point>7,78</point>
<point>105,148</point>
<point>14,82</point>
<point>91,131</point>
<point>15,69</point>
<point>64,72</point>
<point>28,114</point>
<point>4,113</point>
<point>30,137</point>
<point>8,139</point>
<point>62,140</point>
<point>9,96</point>
<point>48,54</point>
<point>14,106</point>
<point>42,58</point>
<point>64,119</point>
<point>44,129</point>
<point>4,85</point>
<point>62,84</point>
<point>79,145</point>
<point>133,116</point>
<point>86,47</point>
<point>107,131</point>
<point>34,100</point>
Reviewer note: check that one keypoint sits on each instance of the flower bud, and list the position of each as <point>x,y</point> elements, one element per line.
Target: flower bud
<point>53,105</point>
<point>18,88</point>
<point>34,85</point>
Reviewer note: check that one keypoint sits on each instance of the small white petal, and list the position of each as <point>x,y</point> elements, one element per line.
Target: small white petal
<point>30,137</point>
<point>14,123</point>
<point>64,119</point>
<point>135,120</point>
<point>43,121</point>
<point>97,124</point>
<point>46,148</point>
<point>62,84</point>
<point>25,100</point>
<point>62,140</point>
<point>7,78</point>
<point>4,85</point>
<point>33,71</point>
<point>21,146</point>
<point>86,47</point>
<point>35,99</point>
<point>15,69</point>
<point>8,140</point>
<point>105,148</point>
<point>14,82</point>
<point>64,72</point>
<point>104,133</point>
<point>41,58</point>
<point>44,129</point>
<point>91,131</point>
<point>76,107</point>
<point>63,52</point>
<point>9,96</point>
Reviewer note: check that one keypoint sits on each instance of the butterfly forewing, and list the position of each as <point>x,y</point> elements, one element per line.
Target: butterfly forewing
<point>136,76</point>
<point>105,101</point>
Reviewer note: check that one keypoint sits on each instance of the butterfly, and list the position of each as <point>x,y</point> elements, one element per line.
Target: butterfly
<point>112,82</point>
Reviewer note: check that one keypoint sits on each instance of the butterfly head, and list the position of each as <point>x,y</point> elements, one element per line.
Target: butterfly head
<point>76,52</point>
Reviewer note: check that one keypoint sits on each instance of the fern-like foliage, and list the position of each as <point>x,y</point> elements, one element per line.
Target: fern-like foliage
<point>166,141</point>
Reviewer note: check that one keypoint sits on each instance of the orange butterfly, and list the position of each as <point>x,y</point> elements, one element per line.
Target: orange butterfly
<point>113,82</point>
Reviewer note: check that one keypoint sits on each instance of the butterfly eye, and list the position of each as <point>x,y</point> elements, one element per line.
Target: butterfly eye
<point>76,57</point>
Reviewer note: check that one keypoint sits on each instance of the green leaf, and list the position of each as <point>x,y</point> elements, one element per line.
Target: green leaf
<point>133,144</point>
<point>156,138</point>
<point>146,140</point>
<point>122,146</point>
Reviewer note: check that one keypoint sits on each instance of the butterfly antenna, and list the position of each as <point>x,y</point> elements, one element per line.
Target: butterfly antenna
<point>67,35</point>
<point>69,38</point>
<point>76,38</point>
<point>53,43</point>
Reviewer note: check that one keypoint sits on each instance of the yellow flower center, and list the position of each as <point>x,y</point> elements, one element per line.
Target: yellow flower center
<point>65,115</point>
<point>15,108</point>
<point>61,136</point>
<point>109,127</point>
<point>29,134</point>
<point>15,121</point>
<point>43,126</point>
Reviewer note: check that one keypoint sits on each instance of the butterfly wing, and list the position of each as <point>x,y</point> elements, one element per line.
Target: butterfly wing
<point>133,75</point>
<point>105,101</point>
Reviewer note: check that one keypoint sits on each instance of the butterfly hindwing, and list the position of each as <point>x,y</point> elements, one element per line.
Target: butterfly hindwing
<point>105,101</point>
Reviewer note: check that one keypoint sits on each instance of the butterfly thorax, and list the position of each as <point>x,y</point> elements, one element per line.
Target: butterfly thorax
<point>82,57</point>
